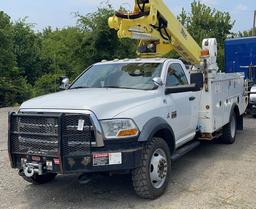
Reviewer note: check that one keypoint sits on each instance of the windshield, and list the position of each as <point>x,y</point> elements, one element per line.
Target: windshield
<point>120,75</point>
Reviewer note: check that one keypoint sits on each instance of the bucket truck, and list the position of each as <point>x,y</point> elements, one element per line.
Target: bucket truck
<point>132,116</point>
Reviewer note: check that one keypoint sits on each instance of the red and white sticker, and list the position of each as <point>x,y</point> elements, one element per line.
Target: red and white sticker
<point>101,159</point>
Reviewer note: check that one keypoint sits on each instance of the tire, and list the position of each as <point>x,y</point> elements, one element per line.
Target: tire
<point>229,130</point>
<point>155,153</point>
<point>39,179</point>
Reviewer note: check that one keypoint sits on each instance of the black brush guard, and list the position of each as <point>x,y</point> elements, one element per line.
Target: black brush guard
<point>51,137</point>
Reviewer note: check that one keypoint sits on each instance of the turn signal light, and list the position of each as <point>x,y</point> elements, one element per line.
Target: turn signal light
<point>128,132</point>
<point>205,53</point>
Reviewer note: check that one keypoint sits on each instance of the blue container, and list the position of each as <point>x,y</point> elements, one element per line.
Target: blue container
<point>240,52</point>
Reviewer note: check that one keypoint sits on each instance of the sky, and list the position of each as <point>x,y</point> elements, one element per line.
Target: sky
<point>60,13</point>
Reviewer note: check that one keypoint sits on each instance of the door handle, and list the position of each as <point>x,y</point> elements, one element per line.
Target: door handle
<point>191,98</point>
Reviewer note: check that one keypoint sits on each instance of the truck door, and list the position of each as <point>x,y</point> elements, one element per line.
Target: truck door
<point>180,105</point>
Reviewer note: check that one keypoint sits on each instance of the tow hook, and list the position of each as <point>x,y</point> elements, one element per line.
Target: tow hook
<point>30,169</point>
<point>29,172</point>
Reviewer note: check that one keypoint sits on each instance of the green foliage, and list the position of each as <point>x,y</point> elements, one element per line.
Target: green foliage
<point>13,87</point>
<point>14,92</point>
<point>48,83</point>
<point>31,63</point>
<point>205,22</point>
<point>247,33</point>
<point>27,51</point>
<point>99,36</point>
<point>60,51</point>
<point>7,57</point>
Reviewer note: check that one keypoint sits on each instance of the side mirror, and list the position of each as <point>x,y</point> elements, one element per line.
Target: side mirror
<point>64,83</point>
<point>197,79</point>
<point>158,81</point>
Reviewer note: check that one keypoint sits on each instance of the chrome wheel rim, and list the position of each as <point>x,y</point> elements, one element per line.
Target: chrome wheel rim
<point>158,168</point>
<point>233,126</point>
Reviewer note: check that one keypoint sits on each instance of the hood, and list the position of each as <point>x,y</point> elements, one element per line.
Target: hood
<point>105,103</point>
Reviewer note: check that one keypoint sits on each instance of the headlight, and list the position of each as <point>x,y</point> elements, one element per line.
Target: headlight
<point>119,128</point>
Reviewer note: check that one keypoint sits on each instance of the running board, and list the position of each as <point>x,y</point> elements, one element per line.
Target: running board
<point>184,150</point>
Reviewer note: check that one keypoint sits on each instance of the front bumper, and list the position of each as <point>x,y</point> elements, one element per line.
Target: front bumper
<point>68,151</point>
<point>99,161</point>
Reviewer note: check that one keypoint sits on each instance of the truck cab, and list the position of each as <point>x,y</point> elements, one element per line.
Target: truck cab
<point>129,89</point>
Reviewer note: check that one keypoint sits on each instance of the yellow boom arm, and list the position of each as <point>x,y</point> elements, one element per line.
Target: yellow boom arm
<point>158,30</point>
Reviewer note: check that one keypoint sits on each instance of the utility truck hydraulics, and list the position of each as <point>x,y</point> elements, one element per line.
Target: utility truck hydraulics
<point>157,29</point>
<point>131,116</point>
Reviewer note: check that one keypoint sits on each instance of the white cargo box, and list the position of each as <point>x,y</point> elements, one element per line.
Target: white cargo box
<point>223,91</point>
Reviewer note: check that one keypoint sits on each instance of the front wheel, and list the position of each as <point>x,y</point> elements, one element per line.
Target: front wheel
<point>229,130</point>
<point>151,178</point>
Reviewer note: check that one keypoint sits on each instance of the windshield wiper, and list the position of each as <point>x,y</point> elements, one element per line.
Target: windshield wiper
<point>117,87</point>
<point>114,87</point>
<point>80,87</point>
<point>120,87</point>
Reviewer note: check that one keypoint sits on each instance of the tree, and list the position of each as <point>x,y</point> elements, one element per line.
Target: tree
<point>246,33</point>
<point>61,51</point>
<point>7,57</point>
<point>48,83</point>
<point>204,22</point>
<point>99,41</point>
<point>13,87</point>
<point>27,51</point>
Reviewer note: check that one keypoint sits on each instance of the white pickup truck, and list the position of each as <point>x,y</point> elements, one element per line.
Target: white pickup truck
<point>131,115</point>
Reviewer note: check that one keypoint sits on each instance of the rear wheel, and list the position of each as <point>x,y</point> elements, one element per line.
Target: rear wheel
<point>151,178</point>
<point>229,130</point>
<point>39,179</point>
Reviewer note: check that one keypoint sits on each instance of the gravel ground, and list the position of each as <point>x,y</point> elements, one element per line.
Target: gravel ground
<point>212,176</point>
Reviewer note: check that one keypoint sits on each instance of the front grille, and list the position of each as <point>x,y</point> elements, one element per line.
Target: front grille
<point>35,134</point>
<point>36,125</point>
<point>51,134</point>
<point>77,140</point>
<point>35,145</point>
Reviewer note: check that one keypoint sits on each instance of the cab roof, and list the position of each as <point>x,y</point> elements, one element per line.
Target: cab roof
<point>136,60</point>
